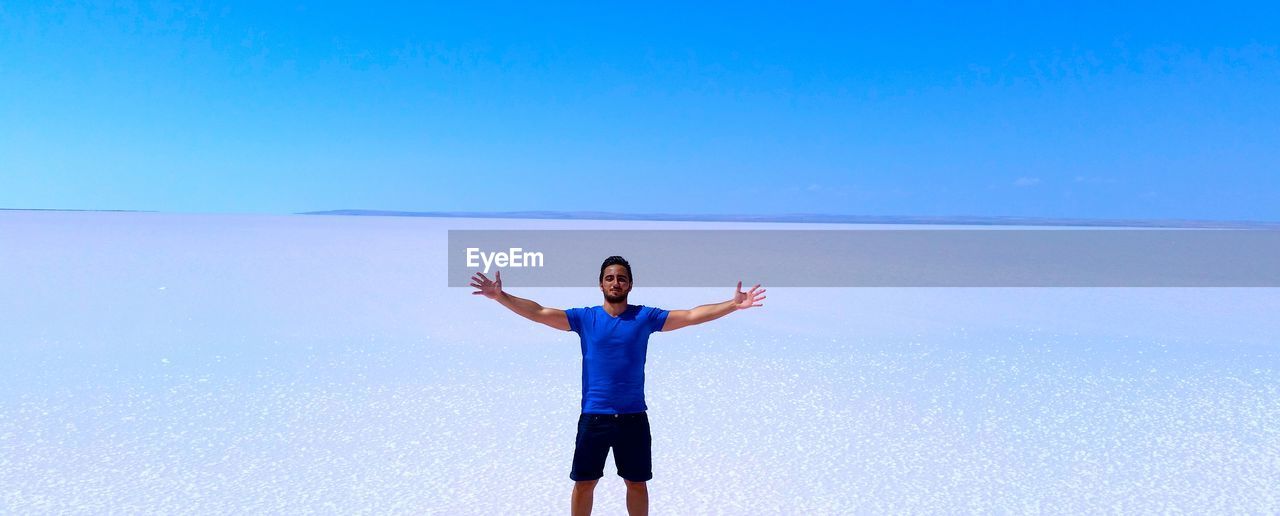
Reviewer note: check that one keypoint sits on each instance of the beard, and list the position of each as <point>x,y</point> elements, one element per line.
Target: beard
<point>621,298</point>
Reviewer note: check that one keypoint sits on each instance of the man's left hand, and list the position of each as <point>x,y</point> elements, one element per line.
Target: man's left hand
<point>744,300</point>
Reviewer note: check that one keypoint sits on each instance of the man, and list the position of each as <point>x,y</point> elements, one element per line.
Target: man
<point>614,339</point>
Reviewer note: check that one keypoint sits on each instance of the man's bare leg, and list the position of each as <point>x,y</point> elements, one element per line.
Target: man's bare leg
<point>637,498</point>
<point>583,493</point>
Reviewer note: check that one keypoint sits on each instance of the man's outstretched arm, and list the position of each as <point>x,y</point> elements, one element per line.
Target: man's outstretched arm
<point>677,319</point>
<point>553,317</point>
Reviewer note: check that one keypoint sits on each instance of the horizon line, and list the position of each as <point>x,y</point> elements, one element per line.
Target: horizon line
<point>799,218</point>
<point>996,220</point>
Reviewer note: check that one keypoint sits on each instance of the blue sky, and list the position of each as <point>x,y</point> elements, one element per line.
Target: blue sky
<point>1142,111</point>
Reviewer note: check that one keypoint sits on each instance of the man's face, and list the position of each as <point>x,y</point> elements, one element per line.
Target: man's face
<point>616,284</point>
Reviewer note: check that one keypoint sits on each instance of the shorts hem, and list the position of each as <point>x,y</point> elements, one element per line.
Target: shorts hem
<point>637,479</point>
<point>574,477</point>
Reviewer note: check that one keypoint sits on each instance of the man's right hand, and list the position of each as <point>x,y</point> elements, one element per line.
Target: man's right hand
<point>553,317</point>
<point>486,287</point>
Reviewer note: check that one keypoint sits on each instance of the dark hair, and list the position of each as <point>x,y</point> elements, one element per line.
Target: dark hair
<point>616,260</point>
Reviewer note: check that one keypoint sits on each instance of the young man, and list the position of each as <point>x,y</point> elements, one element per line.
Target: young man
<point>614,338</point>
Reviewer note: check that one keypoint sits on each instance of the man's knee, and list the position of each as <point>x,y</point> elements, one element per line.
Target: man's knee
<point>634,485</point>
<point>588,485</point>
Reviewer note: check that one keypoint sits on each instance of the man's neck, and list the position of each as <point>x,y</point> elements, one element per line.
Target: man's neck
<point>615,309</point>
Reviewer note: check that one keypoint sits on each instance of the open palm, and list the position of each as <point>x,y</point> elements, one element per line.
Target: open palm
<point>486,287</point>
<point>744,300</point>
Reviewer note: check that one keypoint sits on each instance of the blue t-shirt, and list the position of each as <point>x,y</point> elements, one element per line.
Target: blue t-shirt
<point>613,355</point>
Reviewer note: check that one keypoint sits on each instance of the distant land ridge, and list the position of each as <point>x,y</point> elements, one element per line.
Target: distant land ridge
<point>818,218</point>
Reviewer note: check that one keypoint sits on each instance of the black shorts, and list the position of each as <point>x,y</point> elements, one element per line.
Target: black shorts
<point>627,434</point>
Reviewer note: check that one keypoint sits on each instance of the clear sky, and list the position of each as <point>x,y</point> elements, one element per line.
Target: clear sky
<point>1141,111</point>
